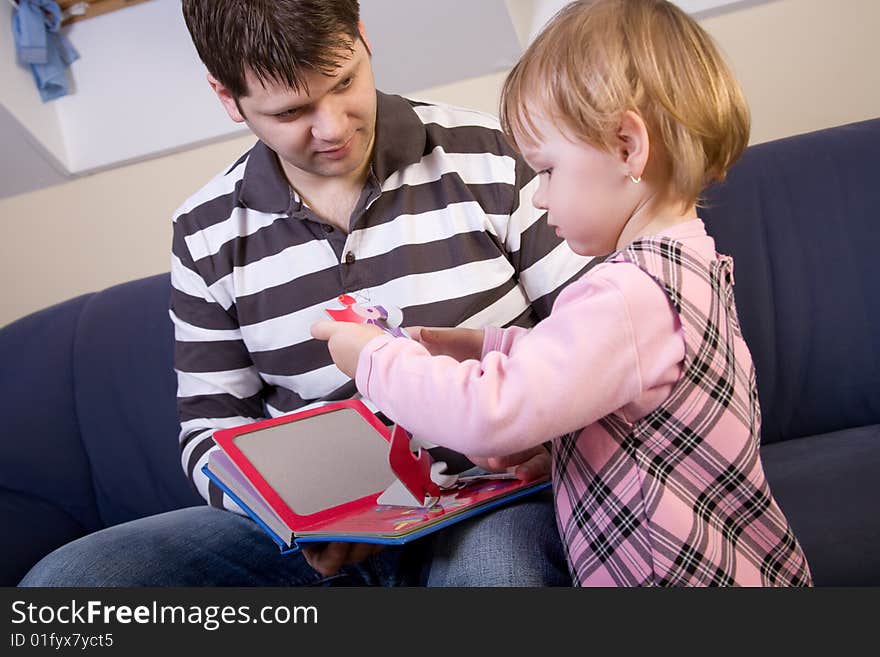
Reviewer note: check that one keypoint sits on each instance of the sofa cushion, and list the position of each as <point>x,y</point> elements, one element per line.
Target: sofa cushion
<point>827,486</point>
<point>125,396</point>
<point>800,218</point>
<point>41,453</point>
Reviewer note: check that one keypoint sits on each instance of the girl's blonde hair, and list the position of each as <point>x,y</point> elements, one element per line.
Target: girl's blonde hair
<point>597,59</point>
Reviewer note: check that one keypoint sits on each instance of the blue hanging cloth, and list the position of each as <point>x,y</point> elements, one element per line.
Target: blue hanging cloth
<point>40,45</point>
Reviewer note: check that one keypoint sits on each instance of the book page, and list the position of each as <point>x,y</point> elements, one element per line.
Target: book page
<point>320,461</point>
<point>387,521</point>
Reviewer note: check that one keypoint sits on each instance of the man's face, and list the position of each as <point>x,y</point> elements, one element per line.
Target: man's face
<point>327,132</point>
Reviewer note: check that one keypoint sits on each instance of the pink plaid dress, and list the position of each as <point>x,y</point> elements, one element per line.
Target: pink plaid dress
<point>679,497</point>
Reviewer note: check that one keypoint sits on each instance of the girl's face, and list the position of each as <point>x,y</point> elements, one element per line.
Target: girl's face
<point>586,191</point>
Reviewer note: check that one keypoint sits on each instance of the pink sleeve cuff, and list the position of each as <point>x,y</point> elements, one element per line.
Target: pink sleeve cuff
<point>365,362</point>
<point>492,338</point>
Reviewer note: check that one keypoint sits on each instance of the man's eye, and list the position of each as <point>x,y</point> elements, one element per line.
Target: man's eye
<point>288,114</point>
<point>346,83</point>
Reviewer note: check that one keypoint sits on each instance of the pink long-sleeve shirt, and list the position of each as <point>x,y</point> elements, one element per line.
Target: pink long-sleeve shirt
<point>613,343</point>
<point>679,498</point>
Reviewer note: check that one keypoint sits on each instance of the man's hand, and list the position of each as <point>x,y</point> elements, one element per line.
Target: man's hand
<point>529,464</point>
<point>345,340</point>
<point>328,558</point>
<point>459,343</point>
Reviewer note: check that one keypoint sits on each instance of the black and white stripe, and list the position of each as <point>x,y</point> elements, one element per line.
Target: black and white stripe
<point>447,233</point>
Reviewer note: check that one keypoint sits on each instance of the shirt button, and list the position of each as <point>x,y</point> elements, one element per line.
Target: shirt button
<point>349,258</point>
<point>328,228</point>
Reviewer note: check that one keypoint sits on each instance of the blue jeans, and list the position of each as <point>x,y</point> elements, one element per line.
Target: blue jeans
<point>516,545</point>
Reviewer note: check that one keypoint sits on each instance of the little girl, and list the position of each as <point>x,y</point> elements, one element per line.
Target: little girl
<point>640,376</point>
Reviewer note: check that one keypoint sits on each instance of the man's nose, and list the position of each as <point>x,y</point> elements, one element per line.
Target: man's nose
<point>329,125</point>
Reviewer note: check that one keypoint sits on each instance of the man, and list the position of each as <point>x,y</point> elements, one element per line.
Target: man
<point>347,191</point>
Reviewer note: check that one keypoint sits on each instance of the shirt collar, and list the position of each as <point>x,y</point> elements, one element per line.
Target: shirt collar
<point>400,141</point>
<point>400,136</point>
<point>264,187</point>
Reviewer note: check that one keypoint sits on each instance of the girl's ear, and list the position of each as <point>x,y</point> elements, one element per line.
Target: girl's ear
<point>633,145</point>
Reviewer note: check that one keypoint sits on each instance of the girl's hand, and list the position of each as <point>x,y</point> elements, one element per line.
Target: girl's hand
<point>345,341</point>
<point>459,343</point>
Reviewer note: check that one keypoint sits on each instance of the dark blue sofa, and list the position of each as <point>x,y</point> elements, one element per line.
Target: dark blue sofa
<point>87,388</point>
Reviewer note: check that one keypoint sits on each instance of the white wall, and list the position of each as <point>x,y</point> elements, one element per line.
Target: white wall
<point>529,16</point>
<point>804,64</point>
<point>138,89</point>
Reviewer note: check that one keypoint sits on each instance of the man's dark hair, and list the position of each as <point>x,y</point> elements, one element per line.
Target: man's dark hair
<point>278,40</point>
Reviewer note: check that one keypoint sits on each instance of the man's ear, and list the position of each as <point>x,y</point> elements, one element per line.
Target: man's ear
<point>363,33</point>
<point>633,144</point>
<point>226,99</point>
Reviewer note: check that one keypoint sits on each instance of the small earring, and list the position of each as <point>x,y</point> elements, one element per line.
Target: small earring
<point>634,179</point>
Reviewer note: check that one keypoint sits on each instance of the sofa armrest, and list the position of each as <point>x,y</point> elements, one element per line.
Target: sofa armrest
<point>32,528</point>
<point>41,450</point>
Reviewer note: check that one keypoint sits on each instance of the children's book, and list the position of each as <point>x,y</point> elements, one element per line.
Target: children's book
<point>337,473</point>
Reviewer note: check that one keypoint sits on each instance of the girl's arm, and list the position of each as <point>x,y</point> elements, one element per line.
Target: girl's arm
<point>575,367</point>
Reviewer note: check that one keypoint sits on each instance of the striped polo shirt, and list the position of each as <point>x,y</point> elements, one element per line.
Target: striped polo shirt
<point>444,230</point>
